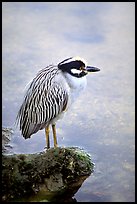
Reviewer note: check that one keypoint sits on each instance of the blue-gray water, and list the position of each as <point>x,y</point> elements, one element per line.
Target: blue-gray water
<point>102,121</point>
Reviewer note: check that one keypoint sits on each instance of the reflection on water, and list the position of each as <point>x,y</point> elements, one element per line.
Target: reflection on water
<point>102,120</point>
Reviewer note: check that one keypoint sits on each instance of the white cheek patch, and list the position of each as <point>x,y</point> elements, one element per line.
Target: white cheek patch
<point>75,71</point>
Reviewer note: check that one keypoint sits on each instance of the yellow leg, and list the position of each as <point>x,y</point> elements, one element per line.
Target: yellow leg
<point>54,135</point>
<point>47,137</point>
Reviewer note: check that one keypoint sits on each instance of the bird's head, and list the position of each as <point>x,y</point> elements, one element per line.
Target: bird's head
<point>76,67</point>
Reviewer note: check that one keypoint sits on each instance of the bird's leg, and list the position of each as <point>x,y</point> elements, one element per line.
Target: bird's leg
<point>47,136</point>
<point>54,135</point>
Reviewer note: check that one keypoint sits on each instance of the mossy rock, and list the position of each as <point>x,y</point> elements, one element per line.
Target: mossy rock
<point>49,174</point>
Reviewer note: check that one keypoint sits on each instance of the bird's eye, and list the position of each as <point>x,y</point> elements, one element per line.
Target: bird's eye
<point>82,68</point>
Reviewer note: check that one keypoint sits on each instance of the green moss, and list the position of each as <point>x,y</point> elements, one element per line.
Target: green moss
<point>53,170</point>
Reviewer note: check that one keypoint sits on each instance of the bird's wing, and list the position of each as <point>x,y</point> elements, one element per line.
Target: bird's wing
<point>47,105</point>
<point>41,105</point>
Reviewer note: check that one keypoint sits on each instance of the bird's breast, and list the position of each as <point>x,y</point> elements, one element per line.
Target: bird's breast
<point>75,86</point>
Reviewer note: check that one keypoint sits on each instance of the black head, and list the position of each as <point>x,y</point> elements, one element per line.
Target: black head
<point>76,67</point>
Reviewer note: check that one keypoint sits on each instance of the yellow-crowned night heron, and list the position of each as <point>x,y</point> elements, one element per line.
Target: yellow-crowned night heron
<point>50,94</point>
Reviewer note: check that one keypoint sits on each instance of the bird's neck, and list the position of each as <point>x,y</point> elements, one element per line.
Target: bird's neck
<point>76,83</point>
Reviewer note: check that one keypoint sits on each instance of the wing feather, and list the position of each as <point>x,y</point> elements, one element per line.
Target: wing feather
<point>44,100</point>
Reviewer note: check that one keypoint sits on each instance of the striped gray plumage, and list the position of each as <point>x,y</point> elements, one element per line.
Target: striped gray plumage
<point>50,94</point>
<point>45,99</point>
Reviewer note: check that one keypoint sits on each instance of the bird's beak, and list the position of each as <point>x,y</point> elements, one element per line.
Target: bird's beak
<point>92,69</point>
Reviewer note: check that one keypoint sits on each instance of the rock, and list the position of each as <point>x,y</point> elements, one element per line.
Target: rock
<point>45,175</point>
<point>6,137</point>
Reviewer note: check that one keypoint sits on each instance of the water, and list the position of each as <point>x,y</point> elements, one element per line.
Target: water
<point>102,121</point>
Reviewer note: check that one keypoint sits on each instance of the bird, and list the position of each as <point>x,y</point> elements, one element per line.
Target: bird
<point>50,94</point>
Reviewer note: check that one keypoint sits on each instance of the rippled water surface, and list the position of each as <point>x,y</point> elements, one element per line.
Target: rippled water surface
<point>101,121</point>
